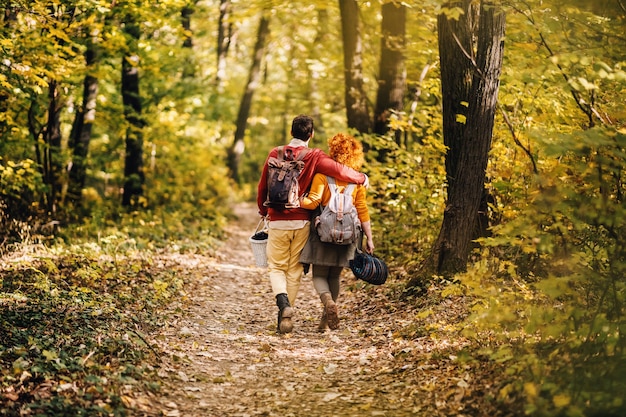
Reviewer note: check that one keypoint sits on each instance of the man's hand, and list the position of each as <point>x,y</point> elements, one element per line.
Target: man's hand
<point>366,183</point>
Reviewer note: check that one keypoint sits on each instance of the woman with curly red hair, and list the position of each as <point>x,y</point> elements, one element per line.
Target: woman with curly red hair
<point>328,259</point>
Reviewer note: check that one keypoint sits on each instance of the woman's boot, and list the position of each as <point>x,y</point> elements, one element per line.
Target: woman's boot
<point>323,322</point>
<point>330,308</point>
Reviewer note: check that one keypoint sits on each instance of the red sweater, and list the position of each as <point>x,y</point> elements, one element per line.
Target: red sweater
<point>315,161</point>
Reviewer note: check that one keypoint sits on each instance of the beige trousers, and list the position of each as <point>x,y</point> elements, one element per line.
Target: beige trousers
<point>283,260</point>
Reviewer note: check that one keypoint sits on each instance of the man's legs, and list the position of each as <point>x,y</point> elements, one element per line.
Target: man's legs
<point>285,271</point>
<point>294,271</point>
<point>278,244</point>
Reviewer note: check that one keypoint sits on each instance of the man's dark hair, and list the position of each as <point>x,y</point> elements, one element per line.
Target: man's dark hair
<point>302,127</point>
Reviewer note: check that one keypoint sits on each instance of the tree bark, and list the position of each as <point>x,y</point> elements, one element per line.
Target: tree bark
<point>54,160</point>
<point>185,16</point>
<point>8,18</point>
<point>392,72</point>
<point>470,83</point>
<point>224,37</point>
<point>80,137</point>
<point>236,151</point>
<point>134,176</point>
<point>315,95</point>
<point>53,166</point>
<point>357,108</point>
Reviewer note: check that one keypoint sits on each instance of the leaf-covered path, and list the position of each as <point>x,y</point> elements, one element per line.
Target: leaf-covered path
<point>224,358</point>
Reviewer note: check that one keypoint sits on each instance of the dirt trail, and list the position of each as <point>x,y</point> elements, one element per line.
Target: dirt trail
<point>224,358</point>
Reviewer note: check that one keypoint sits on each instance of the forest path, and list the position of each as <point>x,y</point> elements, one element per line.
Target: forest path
<point>224,358</point>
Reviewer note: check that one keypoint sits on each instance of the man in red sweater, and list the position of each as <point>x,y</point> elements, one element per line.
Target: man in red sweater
<point>289,228</point>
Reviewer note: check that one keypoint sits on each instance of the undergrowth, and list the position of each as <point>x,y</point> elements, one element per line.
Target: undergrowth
<point>72,331</point>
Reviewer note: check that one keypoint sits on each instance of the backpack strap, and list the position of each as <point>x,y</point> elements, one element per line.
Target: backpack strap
<point>302,154</point>
<point>332,186</point>
<point>347,193</point>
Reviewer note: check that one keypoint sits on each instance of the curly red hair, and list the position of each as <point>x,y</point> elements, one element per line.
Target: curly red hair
<point>346,150</point>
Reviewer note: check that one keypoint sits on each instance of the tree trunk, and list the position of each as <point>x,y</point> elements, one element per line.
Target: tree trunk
<point>53,163</point>
<point>224,37</point>
<point>185,15</point>
<point>80,137</point>
<point>470,83</point>
<point>392,73</point>
<point>238,147</point>
<point>455,41</point>
<point>8,18</point>
<point>357,108</point>
<point>133,164</point>
<point>315,95</point>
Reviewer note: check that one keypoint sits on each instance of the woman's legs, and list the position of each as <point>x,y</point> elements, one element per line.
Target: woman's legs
<point>327,279</point>
<point>326,283</point>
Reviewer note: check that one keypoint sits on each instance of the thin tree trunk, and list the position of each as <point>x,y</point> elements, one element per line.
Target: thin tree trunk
<point>8,18</point>
<point>52,138</point>
<point>357,108</point>
<point>55,163</point>
<point>80,137</point>
<point>314,92</point>
<point>185,15</point>
<point>134,176</point>
<point>224,37</point>
<point>416,98</point>
<point>472,79</point>
<point>236,151</point>
<point>392,72</point>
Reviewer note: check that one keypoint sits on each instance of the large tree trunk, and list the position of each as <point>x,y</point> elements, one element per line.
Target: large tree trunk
<point>224,37</point>
<point>80,137</point>
<point>357,108</point>
<point>392,73</point>
<point>470,83</point>
<point>133,164</point>
<point>238,147</point>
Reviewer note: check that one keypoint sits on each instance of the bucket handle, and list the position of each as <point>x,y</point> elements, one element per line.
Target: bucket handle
<point>265,225</point>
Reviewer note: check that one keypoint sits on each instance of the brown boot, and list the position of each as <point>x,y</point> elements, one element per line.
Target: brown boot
<point>323,322</point>
<point>330,308</point>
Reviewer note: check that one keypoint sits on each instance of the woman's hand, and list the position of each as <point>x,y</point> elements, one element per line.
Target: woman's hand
<point>369,246</point>
<point>367,231</point>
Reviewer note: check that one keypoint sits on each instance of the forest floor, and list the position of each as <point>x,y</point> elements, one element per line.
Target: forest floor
<point>221,355</point>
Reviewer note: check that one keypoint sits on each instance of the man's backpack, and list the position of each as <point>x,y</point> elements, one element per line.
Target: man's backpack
<point>283,190</point>
<point>339,222</point>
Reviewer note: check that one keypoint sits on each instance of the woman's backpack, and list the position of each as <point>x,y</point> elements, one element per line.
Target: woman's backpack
<point>339,221</point>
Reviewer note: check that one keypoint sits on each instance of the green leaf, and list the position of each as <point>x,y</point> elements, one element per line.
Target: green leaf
<point>452,13</point>
<point>50,355</point>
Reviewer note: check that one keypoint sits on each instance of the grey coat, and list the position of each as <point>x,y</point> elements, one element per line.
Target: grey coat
<point>316,252</point>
